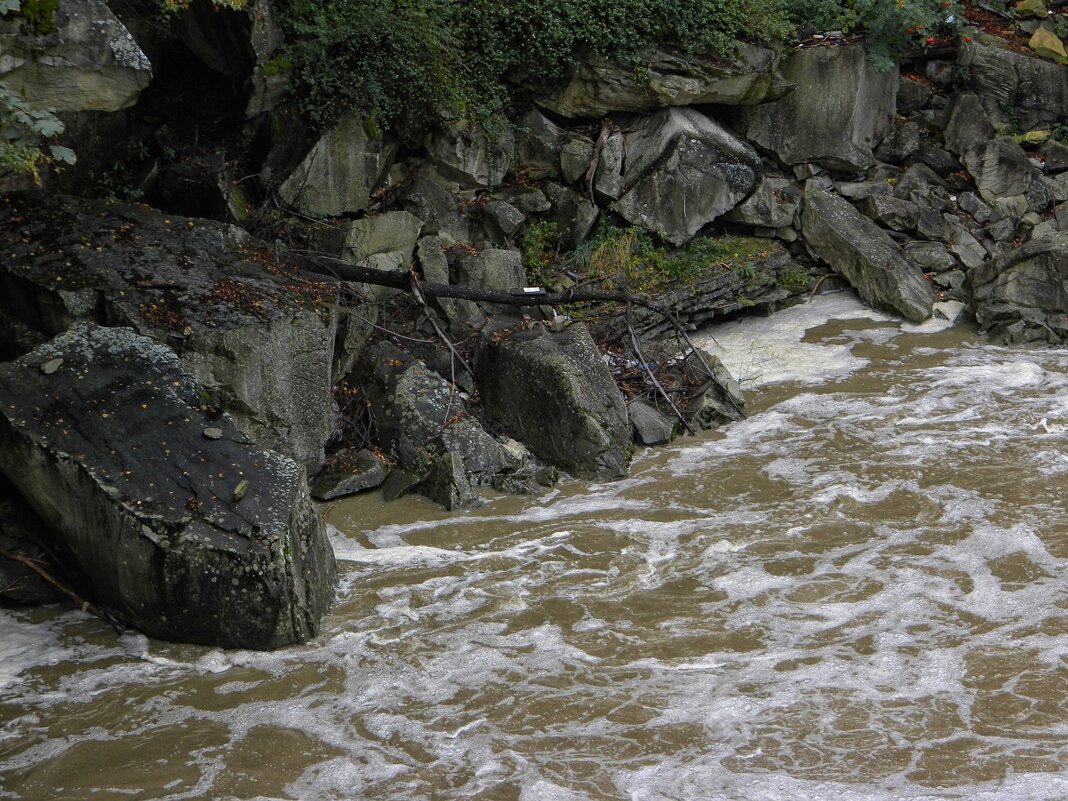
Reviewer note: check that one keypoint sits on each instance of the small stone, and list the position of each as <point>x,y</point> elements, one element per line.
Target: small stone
<point>213,433</point>
<point>241,490</point>
<point>51,366</point>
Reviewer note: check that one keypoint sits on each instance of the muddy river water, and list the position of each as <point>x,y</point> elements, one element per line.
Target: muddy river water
<point>858,593</point>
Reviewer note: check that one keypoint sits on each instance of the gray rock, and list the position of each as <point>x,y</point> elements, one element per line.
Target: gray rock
<point>892,212</point>
<point>971,203</point>
<point>89,63</point>
<point>1061,215</point>
<point>366,472</point>
<point>721,402</point>
<point>912,95</point>
<point>576,155</point>
<point>1035,87</point>
<point>651,426</point>
<point>839,111</point>
<point>966,247</point>
<point>142,503</point>
<point>1004,230</point>
<point>967,123</point>
<point>951,310</point>
<point>339,173</point>
<point>494,269</point>
<point>388,232</point>
<point>574,215</point>
<point>21,533</point>
<point>504,219</point>
<point>446,484</point>
<point>538,140</point>
<point>608,179</point>
<point>903,142</point>
<point>1022,296</point>
<point>462,315</point>
<point>773,204</point>
<point>667,78</point>
<point>554,393</point>
<point>931,257</point>
<point>1002,170</point>
<point>442,212</point>
<point>258,338</point>
<point>465,152</point>
<point>860,251</point>
<point>1060,188</point>
<point>1045,228</point>
<point>1054,155</point>
<point>683,171</point>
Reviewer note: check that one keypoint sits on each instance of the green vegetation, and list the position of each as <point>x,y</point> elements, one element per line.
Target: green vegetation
<point>427,60</point>
<point>631,259</point>
<point>27,136</point>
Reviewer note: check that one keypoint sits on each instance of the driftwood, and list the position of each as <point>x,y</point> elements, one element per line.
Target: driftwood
<point>524,296</point>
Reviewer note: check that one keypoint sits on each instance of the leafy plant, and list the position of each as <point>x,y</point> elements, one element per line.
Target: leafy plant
<point>27,136</point>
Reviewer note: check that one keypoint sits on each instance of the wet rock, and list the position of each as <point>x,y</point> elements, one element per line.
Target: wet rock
<point>21,535</point>
<point>840,110</point>
<point>109,451</point>
<point>365,471</point>
<point>446,484</point>
<point>668,78</point>
<point>651,426</point>
<point>554,393</point>
<point>89,63</point>
<point>340,172</point>
<point>683,171</point>
<point>465,152</point>
<point>721,401</point>
<point>255,334</point>
<point>1022,296</point>
<point>860,251</point>
<point>951,310</point>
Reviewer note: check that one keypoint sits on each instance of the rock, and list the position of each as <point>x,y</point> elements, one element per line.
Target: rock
<point>465,152</point>
<point>574,215</point>
<point>89,63</point>
<point>388,232</point>
<point>554,393</point>
<point>143,504</point>
<point>1054,155</point>
<point>840,110</point>
<point>971,203</point>
<point>442,212</point>
<point>683,171</point>
<point>494,269</point>
<point>365,471</point>
<point>902,142</point>
<point>930,257</point>
<point>912,95</point>
<point>944,163</point>
<point>1035,88</point>
<point>1048,45</point>
<point>651,426</point>
<point>721,402</point>
<point>503,219</point>
<point>951,310</point>
<point>667,78</point>
<point>967,123</point>
<point>1022,296</point>
<point>773,204</point>
<point>966,247</point>
<point>1001,169</point>
<point>461,315</point>
<point>545,150</point>
<point>21,533</point>
<point>339,174</point>
<point>860,251</point>
<point>884,208</point>
<point>212,433</point>
<point>445,483</point>
<point>608,178</point>
<point>419,415</point>
<point>254,333</point>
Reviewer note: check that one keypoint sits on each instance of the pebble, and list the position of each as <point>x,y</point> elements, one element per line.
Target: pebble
<point>241,490</point>
<point>213,433</point>
<point>51,366</point>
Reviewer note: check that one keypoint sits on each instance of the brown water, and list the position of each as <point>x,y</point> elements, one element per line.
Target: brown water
<point>857,593</point>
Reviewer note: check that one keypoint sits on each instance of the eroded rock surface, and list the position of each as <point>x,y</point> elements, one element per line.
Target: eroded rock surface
<point>187,537</point>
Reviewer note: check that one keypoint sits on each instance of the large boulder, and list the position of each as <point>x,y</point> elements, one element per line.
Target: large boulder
<point>175,522</point>
<point>1002,170</point>
<point>553,392</point>
<point>257,336</point>
<point>339,173</point>
<point>472,154</point>
<point>1022,296</point>
<point>667,78</point>
<point>89,62</point>
<point>1013,84</point>
<point>840,110</point>
<point>684,170</point>
<point>864,254</point>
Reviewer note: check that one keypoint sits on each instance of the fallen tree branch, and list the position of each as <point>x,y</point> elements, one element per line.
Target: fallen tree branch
<point>652,376</point>
<point>49,579</point>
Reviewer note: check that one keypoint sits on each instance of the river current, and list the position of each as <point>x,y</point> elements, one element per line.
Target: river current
<point>856,594</point>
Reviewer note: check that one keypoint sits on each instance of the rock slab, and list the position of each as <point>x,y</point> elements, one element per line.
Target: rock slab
<point>109,451</point>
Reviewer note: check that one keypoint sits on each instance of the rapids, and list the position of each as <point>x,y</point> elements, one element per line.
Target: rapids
<point>857,593</point>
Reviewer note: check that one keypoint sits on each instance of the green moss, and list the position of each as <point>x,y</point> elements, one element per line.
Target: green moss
<point>41,14</point>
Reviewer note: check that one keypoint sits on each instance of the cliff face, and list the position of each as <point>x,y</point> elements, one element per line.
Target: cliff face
<point>941,184</point>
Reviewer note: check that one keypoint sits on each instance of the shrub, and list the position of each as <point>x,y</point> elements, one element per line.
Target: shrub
<point>27,136</point>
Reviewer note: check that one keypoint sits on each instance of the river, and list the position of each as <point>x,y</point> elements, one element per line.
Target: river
<point>856,594</point>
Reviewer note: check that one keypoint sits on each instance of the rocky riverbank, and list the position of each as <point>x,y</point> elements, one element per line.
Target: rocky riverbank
<point>188,276</point>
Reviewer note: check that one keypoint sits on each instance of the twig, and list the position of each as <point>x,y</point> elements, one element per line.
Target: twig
<point>80,602</point>
<point>417,292</point>
<point>652,376</point>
